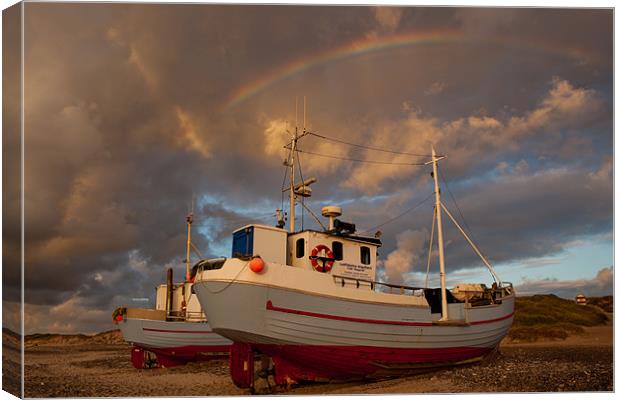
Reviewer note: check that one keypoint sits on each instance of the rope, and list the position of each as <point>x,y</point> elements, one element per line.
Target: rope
<point>314,215</point>
<point>245,221</point>
<point>473,245</point>
<point>400,215</point>
<point>366,147</point>
<point>229,283</point>
<point>474,239</point>
<point>196,250</point>
<point>361,161</point>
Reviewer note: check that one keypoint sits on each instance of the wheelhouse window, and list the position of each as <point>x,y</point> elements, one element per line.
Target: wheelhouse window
<point>243,241</point>
<point>299,248</point>
<point>337,250</point>
<point>365,255</point>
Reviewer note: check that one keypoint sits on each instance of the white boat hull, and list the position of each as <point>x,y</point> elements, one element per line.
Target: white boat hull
<point>337,332</point>
<point>172,343</point>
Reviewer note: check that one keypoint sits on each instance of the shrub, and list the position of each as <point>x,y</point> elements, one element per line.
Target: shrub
<point>550,317</point>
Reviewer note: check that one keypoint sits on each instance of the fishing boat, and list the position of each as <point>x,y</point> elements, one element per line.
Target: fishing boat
<point>176,331</point>
<point>307,305</point>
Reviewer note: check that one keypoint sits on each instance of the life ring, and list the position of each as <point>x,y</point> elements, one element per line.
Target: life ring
<point>327,261</point>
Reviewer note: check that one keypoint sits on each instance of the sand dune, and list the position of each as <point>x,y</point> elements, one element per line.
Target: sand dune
<point>109,337</point>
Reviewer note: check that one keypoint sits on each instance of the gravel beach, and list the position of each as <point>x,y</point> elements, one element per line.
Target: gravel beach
<point>581,363</point>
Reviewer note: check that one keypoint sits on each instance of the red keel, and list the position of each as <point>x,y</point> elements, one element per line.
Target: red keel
<point>295,363</point>
<point>174,356</point>
<point>242,365</point>
<point>137,357</point>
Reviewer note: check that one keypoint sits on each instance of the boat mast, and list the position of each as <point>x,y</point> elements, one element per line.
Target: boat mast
<point>189,219</point>
<point>292,166</point>
<point>442,267</point>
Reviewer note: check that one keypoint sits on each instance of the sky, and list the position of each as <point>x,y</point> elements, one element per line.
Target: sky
<point>133,110</point>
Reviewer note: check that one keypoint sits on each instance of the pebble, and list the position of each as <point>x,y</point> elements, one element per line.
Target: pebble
<point>515,369</point>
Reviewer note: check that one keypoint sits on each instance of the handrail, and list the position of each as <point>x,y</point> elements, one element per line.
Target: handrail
<point>194,316</point>
<point>374,283</point>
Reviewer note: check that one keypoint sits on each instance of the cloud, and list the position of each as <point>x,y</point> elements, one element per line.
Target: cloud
<point>485,20</point>
<point>435,88</point>
<point>125,123</point>
<point>388,18</point>
<point>409,246</point>
<point>68,317</point>
<point>276,137</point>
<point>600,285</point>
<point>190,135</point>
<point>563,106</point>
<point>470,140</point>
<point>529,208</point>
<point>278,133</point>
<point>516,216</point>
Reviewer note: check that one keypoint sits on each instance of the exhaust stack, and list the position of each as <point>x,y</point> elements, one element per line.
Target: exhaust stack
<point>169,284</point>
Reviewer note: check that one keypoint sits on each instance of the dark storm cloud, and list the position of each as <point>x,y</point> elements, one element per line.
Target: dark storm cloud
<point>11,155</point>
<point>513,216</point>
<point>126,121</point>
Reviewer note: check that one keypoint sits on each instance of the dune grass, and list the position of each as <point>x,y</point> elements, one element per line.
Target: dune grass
<point>550,317</point>
<point>605,302</point>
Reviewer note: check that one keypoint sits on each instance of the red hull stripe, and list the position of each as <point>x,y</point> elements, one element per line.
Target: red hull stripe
<point>173,331</point>
<point>271,307</point>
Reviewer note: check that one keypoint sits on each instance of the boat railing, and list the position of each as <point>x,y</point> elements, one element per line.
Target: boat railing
<point>505,288</point>
<point>359,282</point>
<point>195,316</point>
<point>190,316</point>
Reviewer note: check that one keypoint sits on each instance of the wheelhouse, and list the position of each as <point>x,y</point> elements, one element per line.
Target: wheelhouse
<point>348,256</point>
<point>341,255</point>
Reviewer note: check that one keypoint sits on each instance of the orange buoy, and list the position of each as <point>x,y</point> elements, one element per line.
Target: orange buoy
<point>257,265</point>
<point>119,318</point>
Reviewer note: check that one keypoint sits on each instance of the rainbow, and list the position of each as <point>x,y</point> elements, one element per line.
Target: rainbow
<point>369,45</point>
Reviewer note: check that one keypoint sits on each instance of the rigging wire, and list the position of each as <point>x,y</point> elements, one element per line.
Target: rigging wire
<point>430,247</point>
<point>457,207</point>
<point>400,215</point>
<point>302,197</point>
<point>361,161</point>
<point>315,217</point>
<point>237,221</point>
<point>472,244</point>
<point>283,182</point>
<point>196,250</point>
<point>366,147</point>
<point>473,239</point>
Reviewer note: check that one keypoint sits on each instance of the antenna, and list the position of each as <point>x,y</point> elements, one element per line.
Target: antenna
<point>189,219</point>
<point>293,148</point>
<point>292,166</point>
